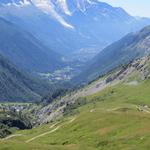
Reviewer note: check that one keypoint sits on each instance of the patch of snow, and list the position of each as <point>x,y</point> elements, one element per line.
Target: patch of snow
<point>48,7</point>
<point>63,5</point>
<point>20,4</point>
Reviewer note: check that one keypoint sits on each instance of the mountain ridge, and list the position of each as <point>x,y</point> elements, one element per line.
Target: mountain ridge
<point>131,74</point>
<point>130,47</point>
<point>16,85</point>
<point>25,51</point>
<point>106,18</point>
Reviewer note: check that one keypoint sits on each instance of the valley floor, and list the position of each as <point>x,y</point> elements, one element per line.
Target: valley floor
<point>117,118</point>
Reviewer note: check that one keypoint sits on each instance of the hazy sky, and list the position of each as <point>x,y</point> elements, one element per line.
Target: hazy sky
<point>134,7</point>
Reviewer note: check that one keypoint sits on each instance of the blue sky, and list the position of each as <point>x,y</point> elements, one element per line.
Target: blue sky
<point>134,7</point>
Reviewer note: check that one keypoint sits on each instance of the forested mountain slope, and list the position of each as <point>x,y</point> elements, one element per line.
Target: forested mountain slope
<point>130,47</point>
<point>25,51</point>
<point>15,85</point>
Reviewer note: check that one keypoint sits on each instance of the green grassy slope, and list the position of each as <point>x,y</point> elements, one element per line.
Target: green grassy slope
<point>115,119</point>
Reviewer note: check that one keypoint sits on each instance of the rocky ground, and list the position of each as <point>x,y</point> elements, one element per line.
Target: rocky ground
<point>131,74</point>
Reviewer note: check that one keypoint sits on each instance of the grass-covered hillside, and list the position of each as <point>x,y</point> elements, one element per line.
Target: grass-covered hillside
<point>115,118</point>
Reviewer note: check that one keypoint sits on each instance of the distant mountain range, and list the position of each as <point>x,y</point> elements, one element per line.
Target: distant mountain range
<point>67,26</point>
<point>25,51</point>
<point>15,85</point>
<point>38,37</point>
<point>130,47</point>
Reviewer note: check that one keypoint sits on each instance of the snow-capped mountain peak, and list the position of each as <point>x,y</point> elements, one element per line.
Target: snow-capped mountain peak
<point>82,5</point>
<point>15,2</point>
<point>55,8</point>
<point>64,6</point>
<point>48,7</point>
<point>63,10</point>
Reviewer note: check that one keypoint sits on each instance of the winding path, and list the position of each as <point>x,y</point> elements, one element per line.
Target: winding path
<point>49,132</point>
<point>41,135</point>
<point>11,136</point>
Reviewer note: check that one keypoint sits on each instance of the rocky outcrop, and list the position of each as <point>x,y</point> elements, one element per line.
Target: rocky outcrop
<point>134,72</point>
